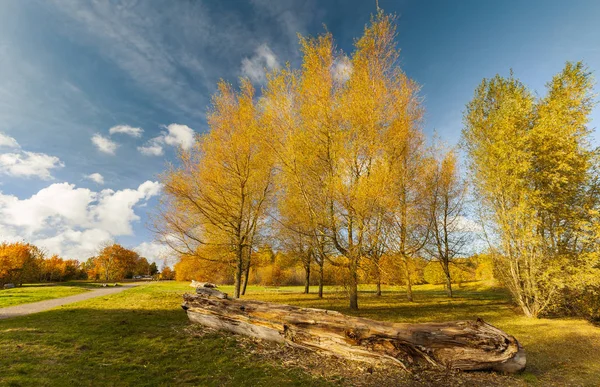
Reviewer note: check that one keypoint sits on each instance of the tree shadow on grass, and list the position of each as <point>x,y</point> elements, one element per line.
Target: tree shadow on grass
<point>86,346</point>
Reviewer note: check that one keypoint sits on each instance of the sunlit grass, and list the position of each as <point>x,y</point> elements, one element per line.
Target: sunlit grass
<point>139,337</point>
<point>35,293</point>
<point>559,351</point>
<point>136,337</point>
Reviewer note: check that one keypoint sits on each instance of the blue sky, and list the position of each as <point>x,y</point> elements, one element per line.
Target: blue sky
<point>72,70</point>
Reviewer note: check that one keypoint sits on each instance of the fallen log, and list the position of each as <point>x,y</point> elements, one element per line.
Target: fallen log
<point>462,345</point>
<point>196,284</point>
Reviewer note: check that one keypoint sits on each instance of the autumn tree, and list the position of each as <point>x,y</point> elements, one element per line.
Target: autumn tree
<point>167,273</point>
<point>394,111</point>
<point>532,169</point>
<point>333,137</point>
<point>19,263</point>
<point>113,262</point>
<point>52,268</point>
<point>298,110</point>
<point>219,194</point>
<point>449,235</point>
<point>142,267</point>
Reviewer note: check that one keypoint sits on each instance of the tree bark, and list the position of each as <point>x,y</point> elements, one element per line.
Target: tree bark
<point>238,273</point>
<point>321,278</point>
<point>246,276</point>
<point>409,294</point>
<point>448,285</point>
<point>353,288</point>
<point>307,278</point>
<point>463,345</point>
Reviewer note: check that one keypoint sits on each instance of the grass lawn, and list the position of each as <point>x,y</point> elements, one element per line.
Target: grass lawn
<point>560,352</point>
<point>141,336</point>
<point>35,293</point>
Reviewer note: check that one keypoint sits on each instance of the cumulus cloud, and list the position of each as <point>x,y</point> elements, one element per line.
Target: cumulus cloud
<point>341,69</point>
<point>29,164</point>
<point>126,129</point>
<point>96,177</point>
<point>152,148</point>
<point>175,135</point>
<point>154,252</point>
<point>72,221</point>
<point>263,59</point>
<point>104,144</point>
<point>8,141</point>
<point>21,163</point>
<point>179,135</point>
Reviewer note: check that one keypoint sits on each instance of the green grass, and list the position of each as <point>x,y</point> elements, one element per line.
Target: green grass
<point>35,293</point>
<point>137,337</point>
<point>141,336</point>
<point>560,352</point>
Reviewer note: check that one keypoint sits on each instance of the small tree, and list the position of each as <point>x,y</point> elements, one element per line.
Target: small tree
<point>167,273</point>
<point>449,234</point>
<point>113,262</point>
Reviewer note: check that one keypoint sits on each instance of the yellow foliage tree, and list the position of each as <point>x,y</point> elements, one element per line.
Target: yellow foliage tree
<point>532,169</point>
<point>219,195</point>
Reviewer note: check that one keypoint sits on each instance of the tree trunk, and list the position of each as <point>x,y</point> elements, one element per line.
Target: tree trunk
<point>321,279</point>
<point>378,294</point>
<point>409,294</point>
<point>353,289</point>
<point>448,285</point>
<point>246,276</point>
<point>463,345</point>
<point>307,278</point>
<point>238,274</point>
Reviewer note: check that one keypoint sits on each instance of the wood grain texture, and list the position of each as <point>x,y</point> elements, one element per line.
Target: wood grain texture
<point>463,345</point>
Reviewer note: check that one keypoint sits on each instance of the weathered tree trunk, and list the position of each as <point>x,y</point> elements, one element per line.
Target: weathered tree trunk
<point>307,278</point>
<point>449,286</point>
<point>321,278</point>
<point>463,345</point>
<point>353,288</point>
<point>408,272</point>
<point>246,277</point>
<point>238,273</point>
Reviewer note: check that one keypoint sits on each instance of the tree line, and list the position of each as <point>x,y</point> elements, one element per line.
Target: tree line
<point>22,262</point>
<point>330,164</point>
<point>284,268</point>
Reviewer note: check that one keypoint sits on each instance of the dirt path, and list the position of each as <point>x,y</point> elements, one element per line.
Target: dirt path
<point>41,306</point>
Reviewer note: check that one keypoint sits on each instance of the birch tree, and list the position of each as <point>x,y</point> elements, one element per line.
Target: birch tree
<point>449,235</point>
<point>219,195</point>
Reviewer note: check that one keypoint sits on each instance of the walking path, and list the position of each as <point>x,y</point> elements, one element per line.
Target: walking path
<point>41,306</point>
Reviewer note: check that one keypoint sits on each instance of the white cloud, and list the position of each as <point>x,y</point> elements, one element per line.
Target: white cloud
<point>126,129</point>
<point>176,135</point>
<point>28,164</point>
<point>8,141</point>
<point>21,163</point>
<point>154,252</point>
<point>179,135</point>
<point>465,224</point>
<point>104,144</point>
<point>96,177</point>
<point>72,221</point>
<point>152,147</point>
<point>263,59</point>
<point>341,69</point>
